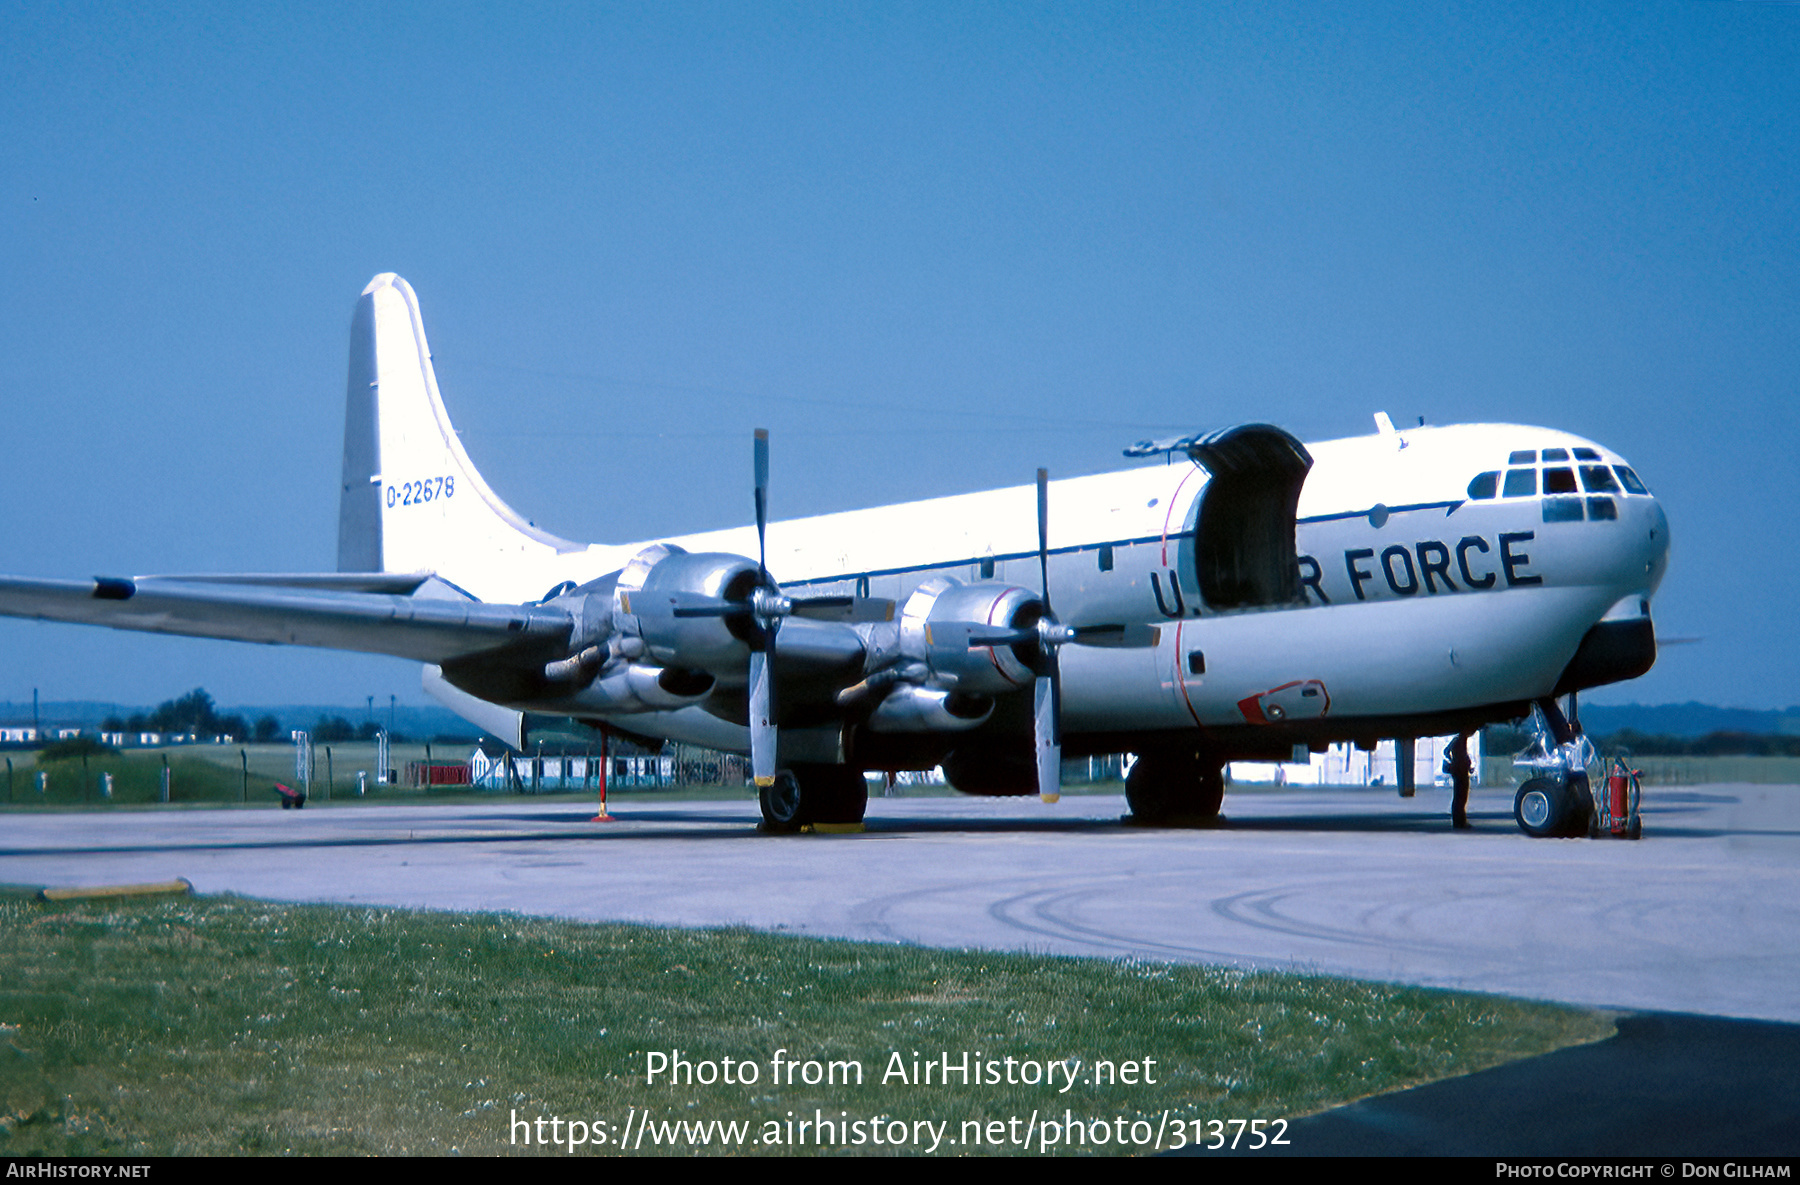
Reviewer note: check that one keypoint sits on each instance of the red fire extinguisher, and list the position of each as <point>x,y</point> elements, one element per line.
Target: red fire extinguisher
<point>1618,791</point>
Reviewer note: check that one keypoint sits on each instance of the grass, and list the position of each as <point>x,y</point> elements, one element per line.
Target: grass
<point>225,1026</point>
<point>136,778</point>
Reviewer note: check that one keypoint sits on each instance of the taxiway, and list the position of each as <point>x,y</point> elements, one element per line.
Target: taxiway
<point>1701,916</point>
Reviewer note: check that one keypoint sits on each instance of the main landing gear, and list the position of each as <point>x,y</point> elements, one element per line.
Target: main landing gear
<point>813,795</point>
<point>1175,786</point>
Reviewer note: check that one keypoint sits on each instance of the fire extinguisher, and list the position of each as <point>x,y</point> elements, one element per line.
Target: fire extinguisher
<point>1618,791</point>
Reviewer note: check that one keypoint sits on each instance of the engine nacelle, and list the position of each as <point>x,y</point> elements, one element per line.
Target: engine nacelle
<point>636,687</point>
<point>717,645</point>
<point>934,629</point>
<point>929,709</point>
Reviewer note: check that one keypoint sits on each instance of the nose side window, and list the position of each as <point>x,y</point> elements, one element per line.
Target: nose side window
<point>1630,479</point>
<point>1598,479</point>
<point>1521,483</point>
<point>1484,485</point>
<point>1559,481</point>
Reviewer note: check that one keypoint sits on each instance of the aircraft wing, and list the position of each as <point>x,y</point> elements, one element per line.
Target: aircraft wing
<point>430,627</point>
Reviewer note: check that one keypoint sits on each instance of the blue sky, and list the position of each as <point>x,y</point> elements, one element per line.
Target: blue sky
<point>932,247</point>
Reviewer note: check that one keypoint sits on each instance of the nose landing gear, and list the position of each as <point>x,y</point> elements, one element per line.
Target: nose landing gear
<point>1556,801</point>
<point>1546,807</point>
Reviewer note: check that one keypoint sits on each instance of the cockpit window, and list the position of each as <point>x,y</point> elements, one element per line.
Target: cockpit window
<point>1586,454</point>
<point>1484,485</point>
<point>1521,483</point>
<point>1556,454</point>
<point>1598,479</point>
<point>1630,479</point>
<point>1559,481</point>
<point>1524,456</point>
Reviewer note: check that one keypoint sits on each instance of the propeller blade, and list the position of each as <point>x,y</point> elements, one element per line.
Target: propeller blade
<point>961,635</point>
<point>854,610</point>
<point>762,719</point>
<point>1043,491</point>
<point>1116,636</point>
<point>715,609</point>
<point>1047,732</point>
<point>978,638</point>
<point>762,499</point>
<point>762,657</point>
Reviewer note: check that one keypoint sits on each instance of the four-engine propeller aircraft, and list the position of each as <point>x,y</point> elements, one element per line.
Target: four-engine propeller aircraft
<point>1252,597</point>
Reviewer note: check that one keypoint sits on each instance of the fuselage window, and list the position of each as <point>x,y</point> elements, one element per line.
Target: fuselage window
<point>1484,485</point>
<point>1520,483</point>
<point>1599,508</point>
<point>1106,557</point>
<point>987,567</point>
<point>1524,456</point>
<point>1630,478</point>
<point>1598,479</point>
<point>1563,510</point>
<point>1559,481</point>
<point>1586,454</point>
<point>1556,454</point>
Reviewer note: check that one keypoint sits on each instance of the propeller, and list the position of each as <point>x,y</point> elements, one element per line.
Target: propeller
<point>762,677</point>
<point>1050,636</point>
<point>1046,693</point>
<point>763,608</point>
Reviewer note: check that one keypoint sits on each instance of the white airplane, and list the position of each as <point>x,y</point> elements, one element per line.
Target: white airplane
<point>1249,599</point>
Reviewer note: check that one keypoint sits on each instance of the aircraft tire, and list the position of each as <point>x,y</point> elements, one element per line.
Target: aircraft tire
<point>1580,818</point>
<point>991,773</point>
<point>810,793</point>
<point>1174,787</point>
<point>782,804</point>
<point>1541,808</point>
<point>833,793</point>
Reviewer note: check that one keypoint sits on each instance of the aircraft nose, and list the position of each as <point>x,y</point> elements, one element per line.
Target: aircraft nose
<point>1656,546</point>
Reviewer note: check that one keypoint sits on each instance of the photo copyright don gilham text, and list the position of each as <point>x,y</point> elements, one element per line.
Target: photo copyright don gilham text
<point>1055,1127</point>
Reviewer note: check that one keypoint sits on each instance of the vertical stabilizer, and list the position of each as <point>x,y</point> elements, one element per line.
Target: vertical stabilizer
<point>411,499</point>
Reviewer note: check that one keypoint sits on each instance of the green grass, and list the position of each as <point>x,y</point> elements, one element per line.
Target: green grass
<point>228,1026</point>
<point>136,778</point>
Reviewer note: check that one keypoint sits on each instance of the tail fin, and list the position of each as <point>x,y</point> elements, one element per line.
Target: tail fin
<point>412,500</point>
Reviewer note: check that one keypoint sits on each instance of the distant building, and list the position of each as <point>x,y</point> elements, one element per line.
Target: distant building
<point>1346,765</point>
